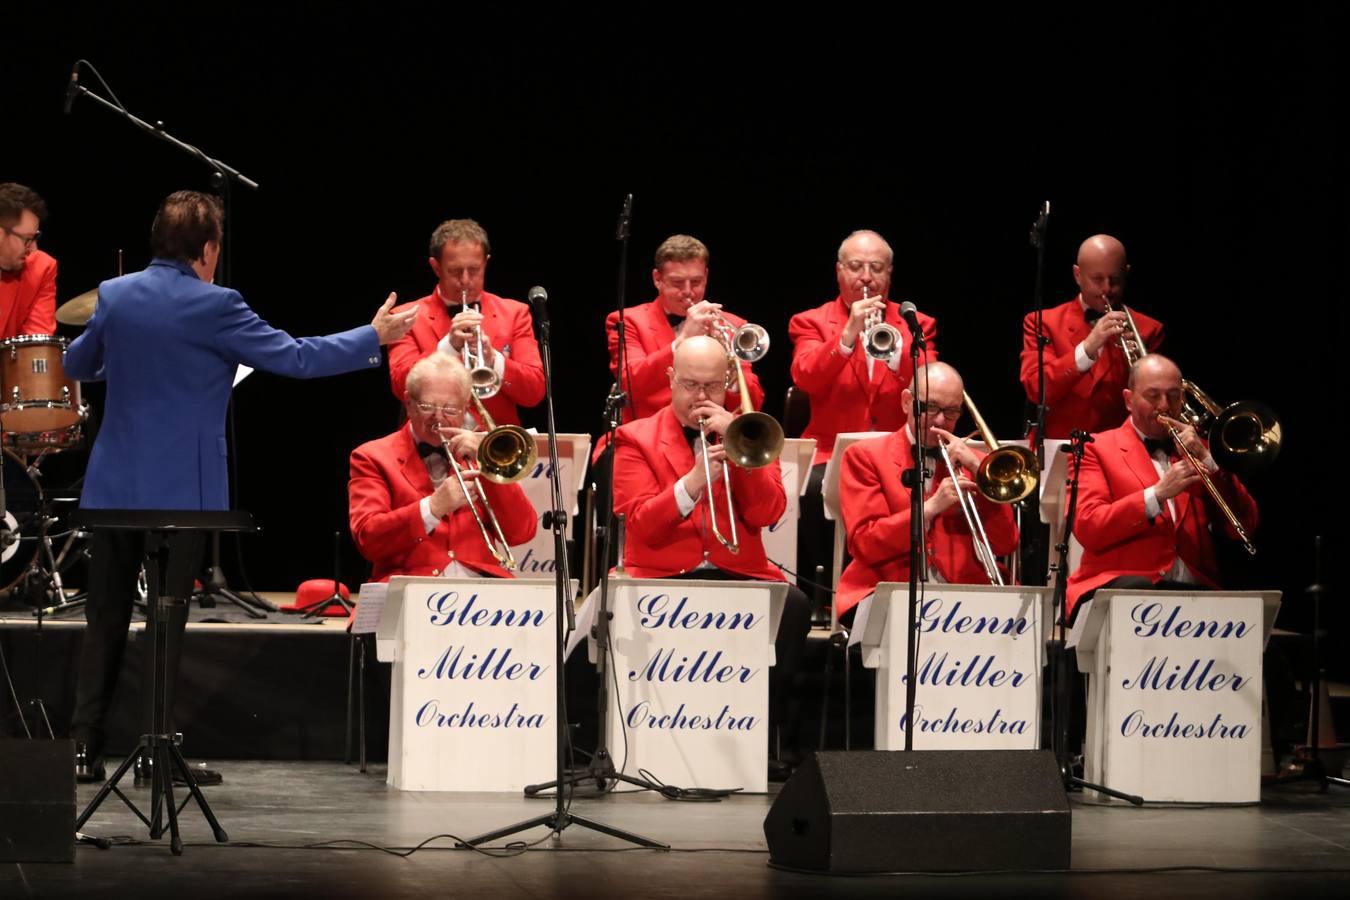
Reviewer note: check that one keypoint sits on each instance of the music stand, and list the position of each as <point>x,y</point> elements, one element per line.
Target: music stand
<point>158,525</point>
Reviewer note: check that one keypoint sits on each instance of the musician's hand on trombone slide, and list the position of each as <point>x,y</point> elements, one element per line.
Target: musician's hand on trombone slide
<point>463,443</point>
<point>945,496</point>
<point>960,451</point>
<point>1187,435</point>
<point>449,496</point>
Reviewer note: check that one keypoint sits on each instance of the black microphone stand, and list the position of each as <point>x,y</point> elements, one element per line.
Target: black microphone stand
<point>1034,551</point>
<point>223,176</point>
<point>1057,649</point>
<point>915,479</point>
<point>561,816</point>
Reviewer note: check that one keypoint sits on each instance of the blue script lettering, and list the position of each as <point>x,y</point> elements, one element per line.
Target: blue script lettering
<point>955,723</point>
<point>932,620</point>
<point>704,668</point>
<point>1134,724</point>
<point>1147,617</point>
<point>654,615</point>
<point>452,664</point>
<point>979,672</point>
<point>444,612</point>
<point>641,716</point>
<point>531,563</point>
<point>430,715</point>
<point>1151,677</point>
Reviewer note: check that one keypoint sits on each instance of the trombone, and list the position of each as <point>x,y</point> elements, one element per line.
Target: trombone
<point>1213,491</point>
<point>499,548</point>
<point>984,552</point>
<point>484,379</point>
<point>753,439</point>
<point>1006,474</point>
<point>880,340</point>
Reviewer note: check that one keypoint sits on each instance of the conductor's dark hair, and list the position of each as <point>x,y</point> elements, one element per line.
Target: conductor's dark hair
<point>186,221</point>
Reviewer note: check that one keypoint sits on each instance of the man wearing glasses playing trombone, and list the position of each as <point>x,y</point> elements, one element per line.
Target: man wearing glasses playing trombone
<point>409,513</point>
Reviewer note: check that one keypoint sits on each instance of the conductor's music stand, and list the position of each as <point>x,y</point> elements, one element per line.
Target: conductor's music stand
<point>158,526</point>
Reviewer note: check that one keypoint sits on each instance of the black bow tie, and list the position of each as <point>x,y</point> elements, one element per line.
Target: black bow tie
<point>424,450</point>
<point>1153,445</point>
<point>674,320</point>
<point>690,435</point>
<point>1092,315</point>
<point>931,453</point>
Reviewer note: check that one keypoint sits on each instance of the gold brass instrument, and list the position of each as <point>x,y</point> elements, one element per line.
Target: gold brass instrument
<point>1244,437</point>
<point>753,439</point>
<point>484,379</point>
<point>507,453</point>
<point>474,493</point>
<point>1006,474</point>
<point>1213,491</point>
<point>983,551</point>
<point>880,340</point>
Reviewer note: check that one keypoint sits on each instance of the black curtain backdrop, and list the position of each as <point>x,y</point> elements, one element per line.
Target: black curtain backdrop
<point>1203,137</point>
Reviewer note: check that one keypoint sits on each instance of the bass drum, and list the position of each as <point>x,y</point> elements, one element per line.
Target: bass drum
<point>23,502</point>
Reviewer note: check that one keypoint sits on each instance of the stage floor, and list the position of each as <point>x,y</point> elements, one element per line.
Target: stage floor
<point>293,828</point>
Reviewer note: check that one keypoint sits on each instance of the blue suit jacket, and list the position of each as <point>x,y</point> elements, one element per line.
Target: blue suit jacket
<point>167,344</point>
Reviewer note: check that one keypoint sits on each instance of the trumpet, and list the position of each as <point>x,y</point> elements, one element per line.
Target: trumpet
<point>880,340</point>
<point>474,493</point>
<point>984,552</point>
<point>1244,437</point>
<point>484,379</point>
<point>753,439</point>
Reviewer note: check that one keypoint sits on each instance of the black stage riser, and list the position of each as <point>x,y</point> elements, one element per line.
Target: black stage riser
<point>37,801</point>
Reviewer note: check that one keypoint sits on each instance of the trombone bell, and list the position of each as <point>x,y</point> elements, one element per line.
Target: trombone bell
<point>507,454</point>
<point>753,440</point>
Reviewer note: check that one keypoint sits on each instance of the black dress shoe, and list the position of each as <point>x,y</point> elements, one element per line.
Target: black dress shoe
<point>88,764</point>
<point>145,769</point>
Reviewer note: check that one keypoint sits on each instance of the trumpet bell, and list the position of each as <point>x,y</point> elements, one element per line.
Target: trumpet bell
<point>485,382</point>
<point>750,342</point>
<point>507,454</point>
<point>753,440</point>
<point>881,341</point>
<point>1008,475</point>
<point>1245,438</point>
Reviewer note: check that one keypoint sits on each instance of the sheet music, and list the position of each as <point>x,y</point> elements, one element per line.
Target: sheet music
<point>369,606</point>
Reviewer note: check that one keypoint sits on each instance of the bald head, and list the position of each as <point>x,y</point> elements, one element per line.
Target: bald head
<point>941,393</point>
<point>1154,388</point>
<point>699,373</point>
<point>1100,271</point>
<point>865,261</point>
<point>700,352</point>
<point>1153,365</point>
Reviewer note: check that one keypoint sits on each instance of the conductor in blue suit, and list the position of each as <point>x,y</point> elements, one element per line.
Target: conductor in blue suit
<point>168,342</point>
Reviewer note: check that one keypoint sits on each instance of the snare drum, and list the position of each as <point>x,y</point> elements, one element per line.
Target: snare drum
<point>40,407</point>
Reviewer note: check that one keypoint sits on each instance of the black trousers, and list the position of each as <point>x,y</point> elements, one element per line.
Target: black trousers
<point>789,649</point>
<point>114,568</point>
<point>815,542</point>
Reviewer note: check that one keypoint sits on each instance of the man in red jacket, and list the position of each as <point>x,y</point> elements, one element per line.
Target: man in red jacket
<point>848,390</point>
<point>451,315</point>
<point>1085,369</point>
<point>27,275</point>
<point>408,514</point>
<point>876,503</point>
<point>1144,518</point>
<point>661,487</point>
<point>653,330</point>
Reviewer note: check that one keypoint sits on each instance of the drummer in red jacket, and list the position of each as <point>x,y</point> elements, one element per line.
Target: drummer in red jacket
<point>27,275</point>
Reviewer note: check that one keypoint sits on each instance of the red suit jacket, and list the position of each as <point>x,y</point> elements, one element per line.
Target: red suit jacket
<point>388,482</point>
<point>1088,400</point>
<point>875,505</point>
<point>507,323</point>
<point>28,297</point>
<point>1118,539</point>
<point>652,454</point>
<point>843,398</point>
<point>648,351</point>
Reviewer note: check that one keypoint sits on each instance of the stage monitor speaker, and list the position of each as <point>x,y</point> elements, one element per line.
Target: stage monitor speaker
<point>37,801</point>
<point>922,811</point>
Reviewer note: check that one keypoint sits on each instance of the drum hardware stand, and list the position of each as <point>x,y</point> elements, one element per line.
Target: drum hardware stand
<point>159,743</point>
<point>1057,651</point>
<point>320,609</point>
<point>214,586</point>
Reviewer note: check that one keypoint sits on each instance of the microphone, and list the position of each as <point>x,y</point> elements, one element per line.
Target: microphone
<point>538,298</point>
<point>910,313</point>
<point>72,89</point>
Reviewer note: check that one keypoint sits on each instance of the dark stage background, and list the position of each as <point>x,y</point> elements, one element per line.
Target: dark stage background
<point>1205,139</point>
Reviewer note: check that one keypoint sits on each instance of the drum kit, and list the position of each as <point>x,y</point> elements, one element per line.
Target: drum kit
<point>42,413</point>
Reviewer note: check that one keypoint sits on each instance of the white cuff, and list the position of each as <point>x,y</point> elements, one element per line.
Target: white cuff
<point>1152,508</point>
<point>845,351</point>
<point>1081,358</point>
<point>1210,465</point>
<point>499,364</point>
<point>683,502</point>
<point>429,522</point>
<point>444,344</point>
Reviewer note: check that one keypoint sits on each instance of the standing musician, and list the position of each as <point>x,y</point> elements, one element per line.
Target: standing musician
<point>661,486</point>
<point>454,313</point>
<point>876,503</point>
<point>27,275</point>
<point>653,330</point>
<point>409,514</point>
<point>1144,517</point>
<point>848,389</point>
<point>1085,368</point>
<point>168,342</point>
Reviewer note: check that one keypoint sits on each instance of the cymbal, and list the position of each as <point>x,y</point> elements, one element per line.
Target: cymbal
<point>78,311</point>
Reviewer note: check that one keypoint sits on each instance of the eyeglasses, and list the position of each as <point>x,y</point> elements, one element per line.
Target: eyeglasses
<point>856,265</point>
<point>707,387</point>
<point>450,412</point>
<point>28,239</point>
<point>950,413</point>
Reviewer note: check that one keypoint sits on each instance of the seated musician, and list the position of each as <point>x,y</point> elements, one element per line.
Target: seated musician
<point>661,487</point>
<point>27,275</point>
<point>875,501</point>
<point>409,514</point>
<point>653,330</point>
<point>1144,517</point>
